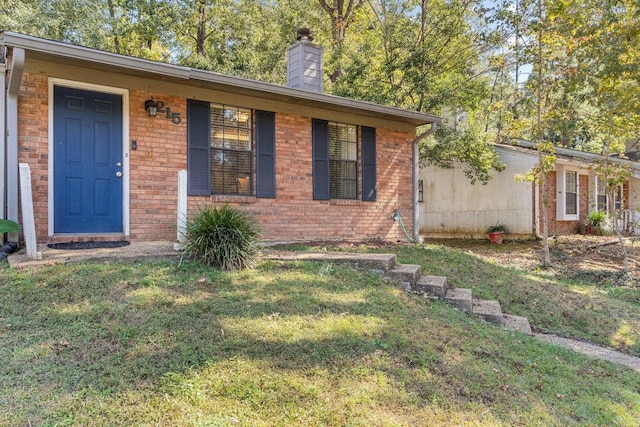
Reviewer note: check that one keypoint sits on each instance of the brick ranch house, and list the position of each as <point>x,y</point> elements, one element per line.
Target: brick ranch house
<point>450,206</point>
<point>106,136</point>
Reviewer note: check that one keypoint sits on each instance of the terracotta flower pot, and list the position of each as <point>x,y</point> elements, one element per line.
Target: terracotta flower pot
<point>496,236</point>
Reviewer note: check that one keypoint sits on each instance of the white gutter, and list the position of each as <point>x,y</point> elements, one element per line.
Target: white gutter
<point>15,74</point>
<point>583,155</point>
<point>3,139</point>
<point>416,171</point>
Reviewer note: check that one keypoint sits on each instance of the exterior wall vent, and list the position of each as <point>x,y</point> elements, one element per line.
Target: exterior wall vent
<point>304,63</point>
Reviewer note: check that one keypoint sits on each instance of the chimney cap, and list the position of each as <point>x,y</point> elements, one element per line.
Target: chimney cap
<point>304,35</point>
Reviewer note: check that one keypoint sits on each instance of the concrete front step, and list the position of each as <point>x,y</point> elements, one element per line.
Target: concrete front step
<point>431,285</point>
<point>405,273</point>
<point>488,310</point>
<point>460,298</point>
<point>516,323</point>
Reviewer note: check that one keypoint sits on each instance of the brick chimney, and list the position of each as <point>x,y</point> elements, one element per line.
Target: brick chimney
<point>304,63</point>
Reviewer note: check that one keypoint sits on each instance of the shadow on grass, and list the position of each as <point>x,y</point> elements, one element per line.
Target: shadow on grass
<point>122,344</point>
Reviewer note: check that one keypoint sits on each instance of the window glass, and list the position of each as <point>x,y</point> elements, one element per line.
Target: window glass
<point>601,194</point>
<point>618,201</point>
<point>230,150</point>
<point>343,161</point>
<point>571,190</point>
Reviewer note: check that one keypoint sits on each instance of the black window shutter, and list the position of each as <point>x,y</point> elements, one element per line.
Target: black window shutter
<point>265,154</point>
<point>320,142</point>
<point>198,148</point>
<point>368,163</point>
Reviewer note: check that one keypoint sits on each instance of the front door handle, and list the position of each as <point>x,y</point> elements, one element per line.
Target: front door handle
<point>119,174</point>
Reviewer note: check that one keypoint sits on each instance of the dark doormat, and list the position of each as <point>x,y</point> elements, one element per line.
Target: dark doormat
<point>91,244</point>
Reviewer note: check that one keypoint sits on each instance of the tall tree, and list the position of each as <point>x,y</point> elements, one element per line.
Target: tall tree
<point>341,14</point>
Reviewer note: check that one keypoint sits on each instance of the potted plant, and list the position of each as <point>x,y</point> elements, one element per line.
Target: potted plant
<point>496,233</point>
<point>596,222</point>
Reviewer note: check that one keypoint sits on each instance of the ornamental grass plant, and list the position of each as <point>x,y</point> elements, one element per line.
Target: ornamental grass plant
<point>225,238</point>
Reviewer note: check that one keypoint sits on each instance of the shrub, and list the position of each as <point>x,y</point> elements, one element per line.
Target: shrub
<point>8,226</point>
<point>497,227</point>
<point>224,238</point>
<point>596,218</point>
<point>600,223</point>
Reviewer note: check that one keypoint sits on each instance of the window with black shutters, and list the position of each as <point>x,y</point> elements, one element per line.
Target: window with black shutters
<point>343,161</point>
<point>231,153</point>
<point>221,150</point>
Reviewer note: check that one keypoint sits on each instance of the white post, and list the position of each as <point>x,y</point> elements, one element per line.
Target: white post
<point>3,142</point>
<point>182,206</point>
<point>15,74</point>
<point>28,221</point>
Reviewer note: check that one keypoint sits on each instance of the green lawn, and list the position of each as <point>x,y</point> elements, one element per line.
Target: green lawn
<point>286,344</point>
<point>585,307</point>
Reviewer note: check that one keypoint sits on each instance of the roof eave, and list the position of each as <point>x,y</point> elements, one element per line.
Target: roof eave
<point>204,78</point>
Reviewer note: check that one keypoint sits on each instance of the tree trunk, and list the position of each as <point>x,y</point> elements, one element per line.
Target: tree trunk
<point>201,36</point>
<point>340,20</point>
<point>112,15</point>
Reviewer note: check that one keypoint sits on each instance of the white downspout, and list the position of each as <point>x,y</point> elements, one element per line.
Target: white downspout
<point>15,75</point>
<point>3,139</point>
<point>416,170</point>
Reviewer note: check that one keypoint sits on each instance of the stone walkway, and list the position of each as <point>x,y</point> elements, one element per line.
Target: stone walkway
<point>165,251</point>
<point>592,350</point>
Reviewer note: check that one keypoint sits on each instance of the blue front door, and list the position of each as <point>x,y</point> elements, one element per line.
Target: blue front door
<point>87,161</point>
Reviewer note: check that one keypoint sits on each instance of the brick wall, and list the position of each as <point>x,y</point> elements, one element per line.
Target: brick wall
<point>33,143</point>
<point>162,152</point>
<point>557,227</point>
<point>295,216</point>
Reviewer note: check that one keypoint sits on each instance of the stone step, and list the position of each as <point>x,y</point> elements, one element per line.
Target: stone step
<point>516,323</point>
<point>488,310</point>
<point>431,285</point>
<point>405,273</point>
<point>383,262</point>
<point>460,298</point>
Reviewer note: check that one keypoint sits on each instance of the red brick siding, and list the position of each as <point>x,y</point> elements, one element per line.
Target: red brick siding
<point>33,143</point>
<point>154,166</point>
<point>162,152</point>
<point>557,227</point>
<point>294,215</point>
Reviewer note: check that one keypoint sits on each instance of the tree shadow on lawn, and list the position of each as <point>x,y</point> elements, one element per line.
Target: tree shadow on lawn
<point>86,338</point>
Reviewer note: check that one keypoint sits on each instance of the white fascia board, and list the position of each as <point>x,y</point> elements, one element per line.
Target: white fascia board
<point>584,155</point>
<point>67,50</point>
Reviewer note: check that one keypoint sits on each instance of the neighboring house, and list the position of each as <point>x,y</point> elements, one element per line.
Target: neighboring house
<point>106,137</point>
<point>450,206</point>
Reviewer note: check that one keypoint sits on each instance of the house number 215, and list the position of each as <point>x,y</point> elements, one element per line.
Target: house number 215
<point>174,117</point>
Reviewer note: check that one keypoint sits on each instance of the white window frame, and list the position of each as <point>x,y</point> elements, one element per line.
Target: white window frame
<point>619,190</point>
<point>599,183</point>
<point>561,193</point>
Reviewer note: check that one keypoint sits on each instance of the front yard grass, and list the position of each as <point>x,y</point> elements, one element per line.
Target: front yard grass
<point>110,344</point>
<point>586,307</point>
